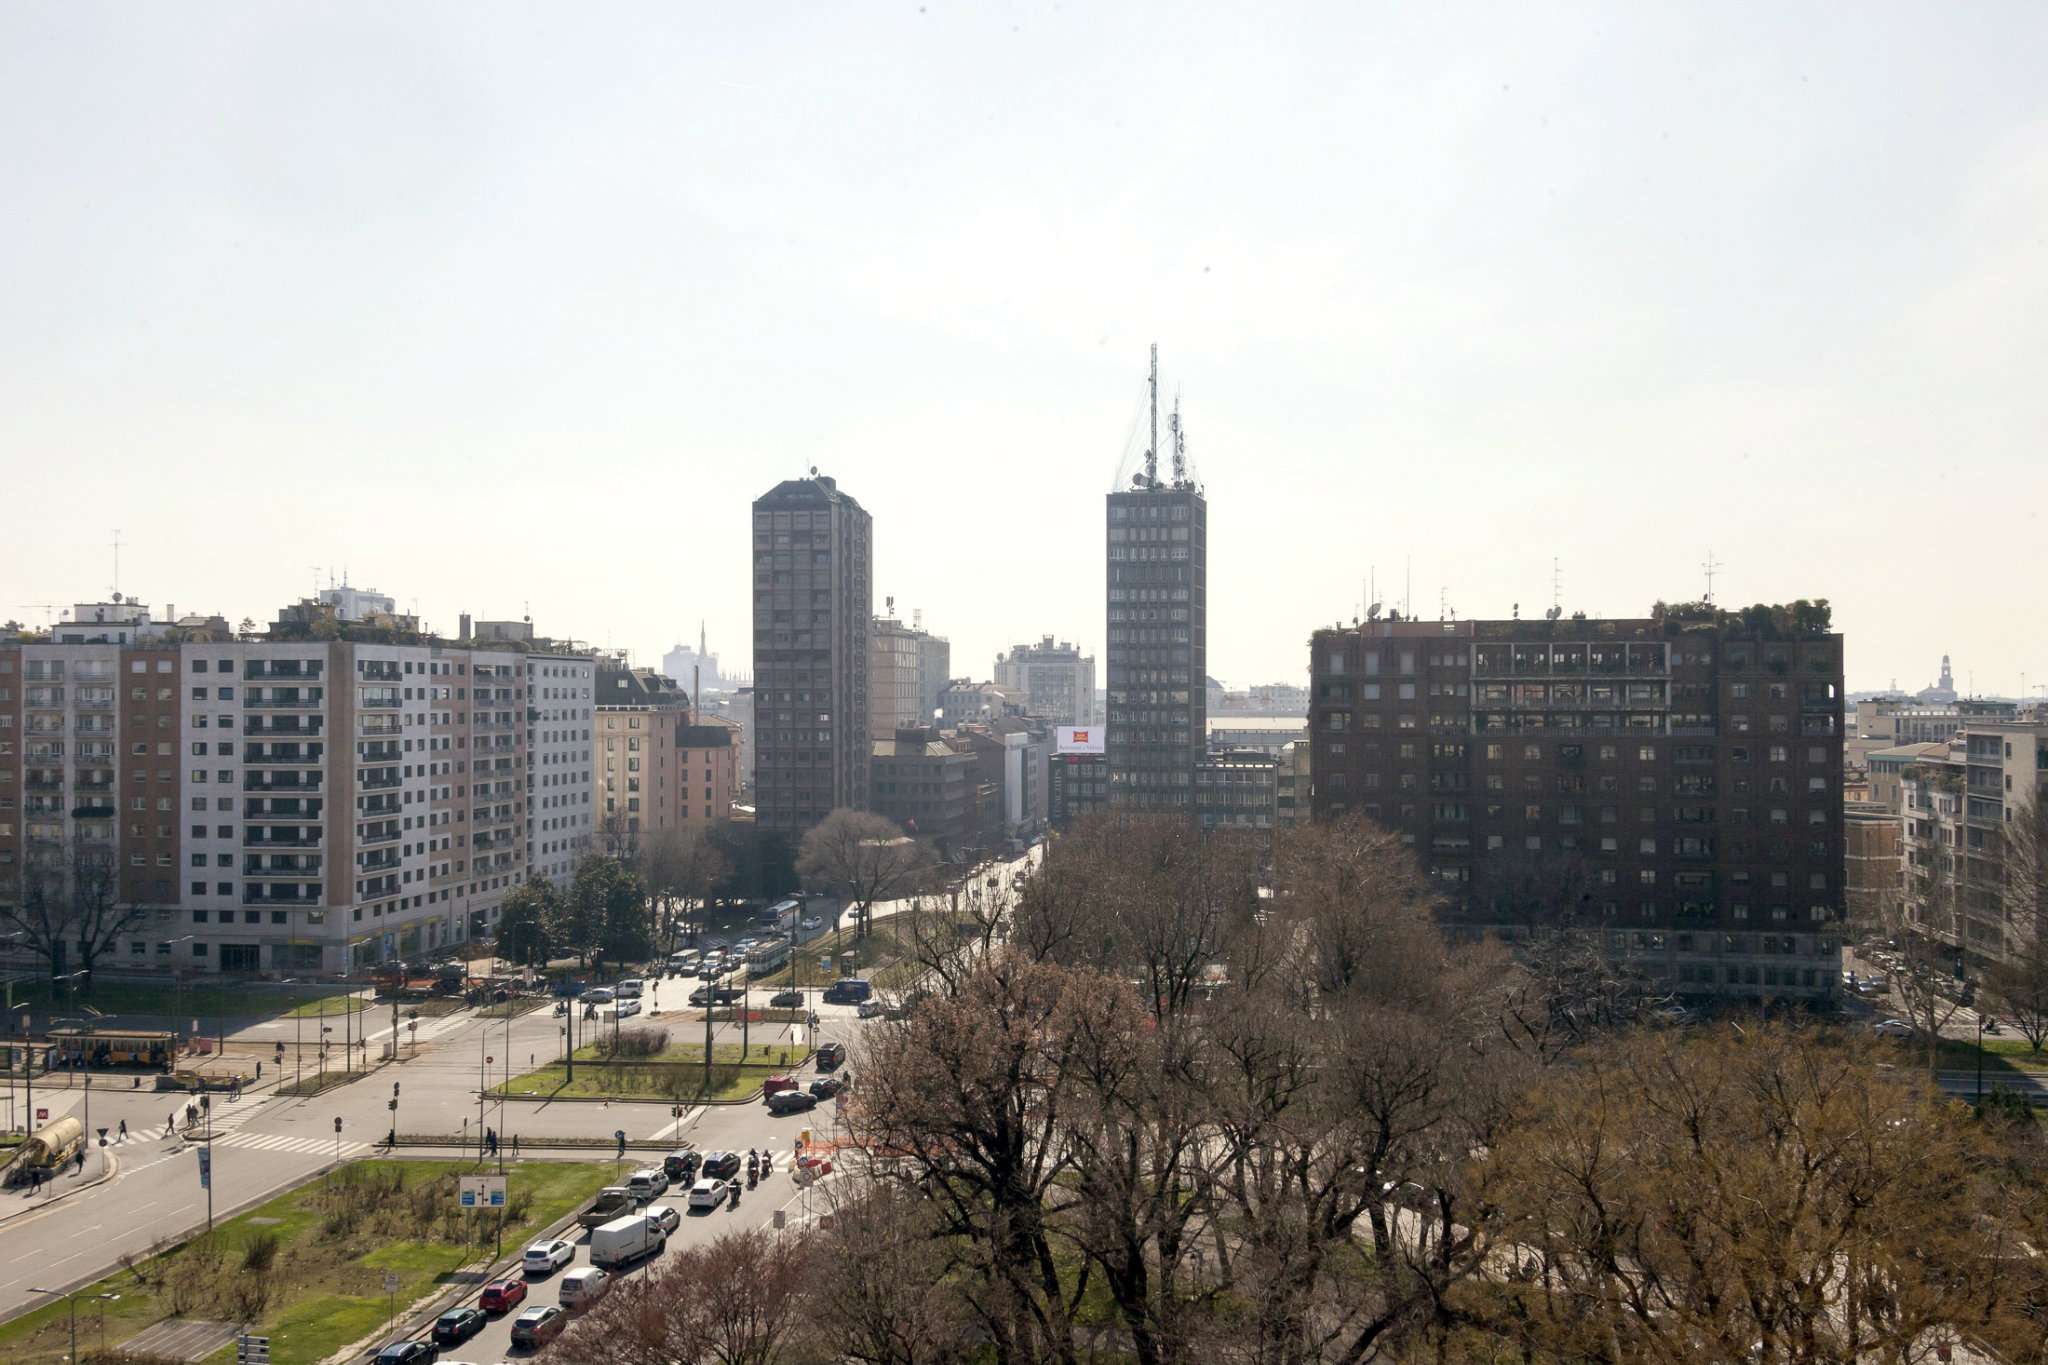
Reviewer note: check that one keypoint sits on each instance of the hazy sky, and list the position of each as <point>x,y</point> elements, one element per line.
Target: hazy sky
<point>502,304</point>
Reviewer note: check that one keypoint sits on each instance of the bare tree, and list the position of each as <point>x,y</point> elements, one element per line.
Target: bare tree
<point>681,868</point>
<point>863,858</point>
<point>1762,1195</point>
<point>878,1268</point>
<point>2017,985</point>
<point>1922,976</point>
<point>672,1315</point>
<point>67,901</point>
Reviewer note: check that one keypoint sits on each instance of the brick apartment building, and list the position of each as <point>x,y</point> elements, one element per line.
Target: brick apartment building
<point>1675,784</point>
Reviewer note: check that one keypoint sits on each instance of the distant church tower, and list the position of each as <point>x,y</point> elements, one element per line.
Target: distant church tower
<point>1942,692</point>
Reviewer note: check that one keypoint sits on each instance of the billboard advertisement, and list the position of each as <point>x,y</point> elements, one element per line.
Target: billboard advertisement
<point>1080,739</point>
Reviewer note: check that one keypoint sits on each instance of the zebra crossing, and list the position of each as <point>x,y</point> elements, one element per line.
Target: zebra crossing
<point>282,1142</point>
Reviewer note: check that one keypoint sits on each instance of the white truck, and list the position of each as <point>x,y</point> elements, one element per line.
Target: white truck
<point>625,1240</point>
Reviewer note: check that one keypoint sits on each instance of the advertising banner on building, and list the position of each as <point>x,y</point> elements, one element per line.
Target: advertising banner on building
<point>1079,739</point>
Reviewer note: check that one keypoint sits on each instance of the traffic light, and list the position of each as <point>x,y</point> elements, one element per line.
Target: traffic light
<point>394,1090</point>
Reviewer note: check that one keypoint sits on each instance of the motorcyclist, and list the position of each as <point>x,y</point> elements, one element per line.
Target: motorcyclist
<point>735,1194</point>
<point>753,1169</point>
<point>767,1163</point>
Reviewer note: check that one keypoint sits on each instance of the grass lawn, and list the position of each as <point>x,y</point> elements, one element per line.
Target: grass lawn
<point>336,1005</point>
<point>206,1002</point>
<point>676,1072</point>
<point>2002,1056</point>
<point>308,1266</point>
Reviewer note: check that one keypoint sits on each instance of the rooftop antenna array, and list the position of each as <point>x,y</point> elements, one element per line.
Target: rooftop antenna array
<point>117,563</point>
<point>1180,445</point>
<point>1151,479</point>
<point>1711,566</point>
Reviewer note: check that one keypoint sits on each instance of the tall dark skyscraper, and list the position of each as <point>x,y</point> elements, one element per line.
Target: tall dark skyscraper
<point>1158,655</point>
<point>813,608</point>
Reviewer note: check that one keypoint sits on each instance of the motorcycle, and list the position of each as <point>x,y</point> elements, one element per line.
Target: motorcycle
<point>735,1195</point>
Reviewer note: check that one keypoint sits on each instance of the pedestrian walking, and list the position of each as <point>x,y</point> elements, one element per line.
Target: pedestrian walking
<point>515,1144</point>
<point>124,1130</point>
<point>171,1124</point>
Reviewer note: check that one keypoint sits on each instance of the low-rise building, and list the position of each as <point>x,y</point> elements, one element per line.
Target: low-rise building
<point>1237,790</point>
<point>927,786</point>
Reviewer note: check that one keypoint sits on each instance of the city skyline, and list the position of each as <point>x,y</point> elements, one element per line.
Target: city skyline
<point>1633,289</point>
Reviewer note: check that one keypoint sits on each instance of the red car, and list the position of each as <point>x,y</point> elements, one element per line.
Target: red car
<point>502,1296</point>
<point>775,1083</point>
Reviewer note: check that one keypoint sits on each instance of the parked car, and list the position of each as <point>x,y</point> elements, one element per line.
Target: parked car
<point>786,1000</point>
<point>680,1166</point>
<point>720,1165</point>
<point>538,1326</point>
<point>600,995</point>
<point>831,1056</point>
<point>630,988</point>
<point>1892,1028</point>
<point>707,1194</point>
<point>812,922</point>
<point>545,1258</point>
<point>775,1085</point>
<point>647,1183</point>
<point>872,1009</point>
<point>502,1296</point>
<point>458,1325</point>
<point>625,1009</point>
<point>792,1102</point>
<point>825,1087</point>
<point>408,1353</point>
<point>665,1217</point>
<point>584,1286</point>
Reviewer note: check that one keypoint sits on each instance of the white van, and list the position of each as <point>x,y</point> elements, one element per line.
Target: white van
<point>684,961</point>
<point>630,988</point>
<point>587,1284</point>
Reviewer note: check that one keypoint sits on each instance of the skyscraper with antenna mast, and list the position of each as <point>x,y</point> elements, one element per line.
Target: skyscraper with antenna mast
<point>1157,642</point>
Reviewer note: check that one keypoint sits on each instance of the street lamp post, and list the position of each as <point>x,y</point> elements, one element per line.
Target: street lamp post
<point>73,1297</point>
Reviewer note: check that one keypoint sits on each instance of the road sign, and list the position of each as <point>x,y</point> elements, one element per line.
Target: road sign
<point>480,1191</point>
<point>252,1350</point>
<point>205,1169</point>
<point>391,1282</point>
<point>42,1114</point>
<point>781,1217</point>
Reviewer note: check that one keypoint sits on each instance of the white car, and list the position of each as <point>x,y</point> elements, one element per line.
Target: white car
<point>599,995</point>
<point>544,1258</point>
<point>1892,1028</point>
<point>625,1009</point>
<point>665,1217</point>
<point>812,922</point>
<point>871,1009</point>
<point>708,1194</point>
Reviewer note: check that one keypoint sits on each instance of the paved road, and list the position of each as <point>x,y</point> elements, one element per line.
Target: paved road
<point>265,1143</point>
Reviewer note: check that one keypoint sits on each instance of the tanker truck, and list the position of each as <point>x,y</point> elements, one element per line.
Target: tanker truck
<point>45,1152</point>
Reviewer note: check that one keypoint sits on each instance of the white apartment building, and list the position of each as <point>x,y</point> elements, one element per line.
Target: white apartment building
<point>560,796</point>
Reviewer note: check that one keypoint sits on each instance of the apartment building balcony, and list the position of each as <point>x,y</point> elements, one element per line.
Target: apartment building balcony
<point>44,782</point>
<point>93,785</point>
<point>484,724</point>
<point>376,727</point>
<point>371,806</point>
<point>377,670</point>
<point>379,834</point>
<point>377,888</point>
<point>290,894</point>
<point>265,782</point>
<point>286,755</point>
<point>297,866</point>
<point>381,703</point>
<point>384,751</point>
<point>302,726</point>
<point>382,779</point>
<point>93,812</point>
<point>95,703</point>
<point>255,837</point>
<point>1818,725</point>
<point>285,809</point>
<point>284,704</point>
<point>257,670</point>
<point>380,860</point>
<point>94,725</point>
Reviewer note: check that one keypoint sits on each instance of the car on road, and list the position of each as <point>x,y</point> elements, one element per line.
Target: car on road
<point>775,1085</point>
<point>539,1326</point>
<point>723,995</point>
<point>665,1217</point>
<point>458,1325</point>
<point>812,922</point>
<point>786,1000</point>
<point>631,988</point>
<point>680,1166</point>
<point>831,1056</point>
<point>872,1009</point>
<point>792,1102</point>
<point>545,1258</point>
<point>708,1194</point>
<point>600,995</point>
<point>408,1353</point>
<point>825,1087</point>
<point>502,1296</point>
<point>584,1286</point>
<point>720,1165</point>
<point>1892,1028</point>
<point>712,969</point>
<point>647,1183</point>
<point>625,1009</point>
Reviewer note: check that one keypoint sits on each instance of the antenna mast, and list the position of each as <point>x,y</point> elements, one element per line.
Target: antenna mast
<point>1556,585</point>
<point>1180,446</point>
<point>1152,450</point>
<point>117,563</point>
<point>1711,566</point>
